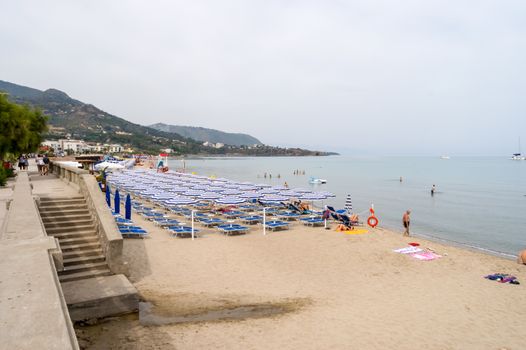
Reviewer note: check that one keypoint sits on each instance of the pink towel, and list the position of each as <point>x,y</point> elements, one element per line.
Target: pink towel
<point>425,256</point>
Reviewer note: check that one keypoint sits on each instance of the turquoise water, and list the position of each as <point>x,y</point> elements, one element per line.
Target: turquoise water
<point>480,201</point>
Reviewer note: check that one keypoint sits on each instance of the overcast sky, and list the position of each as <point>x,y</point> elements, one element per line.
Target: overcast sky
<point>385,77</point>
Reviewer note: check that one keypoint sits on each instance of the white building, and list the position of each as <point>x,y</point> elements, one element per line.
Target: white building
<point>52,144</point>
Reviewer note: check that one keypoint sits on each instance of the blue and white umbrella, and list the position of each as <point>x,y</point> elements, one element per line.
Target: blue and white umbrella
<point>302,190</point>
<point>231,192</point>
<point>181,201</point>
<point>327,194</point>
<point>193,193</point>
<point>250,195</point>
<point>230,200</point>
<point>209,195</point>
<point>290,193</point>
<point>269,191</point>
<point>262,185</point>
<point>313,197</point>
<point>274,198</point>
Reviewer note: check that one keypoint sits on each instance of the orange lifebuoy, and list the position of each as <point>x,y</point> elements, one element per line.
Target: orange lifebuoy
<point>372,221</point>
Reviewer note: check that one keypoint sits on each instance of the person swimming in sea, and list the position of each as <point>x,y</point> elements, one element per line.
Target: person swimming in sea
<point>433,190</point>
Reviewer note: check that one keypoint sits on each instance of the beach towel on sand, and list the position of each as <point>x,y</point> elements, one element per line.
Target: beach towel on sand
<point>408,250</point>
<point>425,256</point>
<point>356,231</point>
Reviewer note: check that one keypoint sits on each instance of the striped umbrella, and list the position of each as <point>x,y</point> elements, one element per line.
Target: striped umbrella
<point>348,204</point>
<point>209,195</point>
<point>230,200</point>
<point>250,195</point>
<point>181,201</point>
<point>274,198</point>
<point>231,192</point>
<point>313,197</point>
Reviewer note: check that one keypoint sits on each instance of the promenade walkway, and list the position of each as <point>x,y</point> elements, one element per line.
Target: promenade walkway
<point>36,310</point>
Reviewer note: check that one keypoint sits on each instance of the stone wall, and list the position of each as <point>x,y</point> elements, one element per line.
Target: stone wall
<point>109,235</point>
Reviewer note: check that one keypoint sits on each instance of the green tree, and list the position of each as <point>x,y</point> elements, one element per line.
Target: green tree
<point>21,128</point>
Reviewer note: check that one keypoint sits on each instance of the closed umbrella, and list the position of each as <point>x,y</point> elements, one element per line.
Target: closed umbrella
<point>127,207</point>
<point>117,200</point>
<point>108,193</point>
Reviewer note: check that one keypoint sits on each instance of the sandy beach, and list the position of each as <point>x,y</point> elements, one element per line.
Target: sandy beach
<point>331,290</point>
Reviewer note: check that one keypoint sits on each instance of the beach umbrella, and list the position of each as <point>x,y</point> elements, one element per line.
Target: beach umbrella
<point>117,200</point>
<point>327,194</point>
<point>269,191</point>
<point>289,193</point>
<point>181,201</point>
<point>108,165</point>
<point>273,198</point>
<point>230,200</point>
<point>108,193</point>
<point>209,195</point>
<point>193,193</point>
<point>301,190</point>
<point>250,195</point>
<point>262,185</point>
<point>231,192</point>
<point>348,204</point>
<point>313,197</point>
<point>127,207</point>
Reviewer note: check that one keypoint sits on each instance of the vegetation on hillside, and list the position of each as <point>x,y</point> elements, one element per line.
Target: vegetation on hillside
<point>21,128</point>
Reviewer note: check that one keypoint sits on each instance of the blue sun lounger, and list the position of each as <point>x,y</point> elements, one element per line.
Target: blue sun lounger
<point>288,216</point>
<point>211,222</point>
<point>277,225</point>
<point>312,221</point>
<point>132,232</point>
<point>252,219</point>
<point>182,231</point>
<point>163,222</point>
<point>232,229</point>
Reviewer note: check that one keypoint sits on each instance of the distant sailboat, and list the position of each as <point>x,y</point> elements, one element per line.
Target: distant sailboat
<point>444,157</point>
<point>518,156</point>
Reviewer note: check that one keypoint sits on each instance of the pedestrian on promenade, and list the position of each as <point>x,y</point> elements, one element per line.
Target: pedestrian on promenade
<point>406,221</point>
<point>46,164</point>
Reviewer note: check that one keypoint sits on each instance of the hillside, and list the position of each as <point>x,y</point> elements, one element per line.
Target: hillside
<point>84,121</point>
<point>210,135</point>
<point>72,118</point>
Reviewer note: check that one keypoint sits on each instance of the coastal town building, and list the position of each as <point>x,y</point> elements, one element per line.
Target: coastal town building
<point>80,146</point>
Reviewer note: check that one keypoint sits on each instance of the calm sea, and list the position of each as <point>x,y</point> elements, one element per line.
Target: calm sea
<point>480,201</point>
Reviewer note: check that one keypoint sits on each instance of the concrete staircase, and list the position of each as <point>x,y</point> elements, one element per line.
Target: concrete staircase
<point>70,220</point>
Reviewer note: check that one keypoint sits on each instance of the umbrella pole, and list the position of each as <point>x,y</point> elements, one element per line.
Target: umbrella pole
<point>193,211</point>
<point>264,221</point>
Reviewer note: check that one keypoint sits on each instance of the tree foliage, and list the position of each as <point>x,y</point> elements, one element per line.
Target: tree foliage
<point>21,128</point>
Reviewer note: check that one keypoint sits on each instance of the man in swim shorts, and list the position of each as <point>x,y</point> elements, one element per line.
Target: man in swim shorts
<point>521,259</point>
<point>406,220</point>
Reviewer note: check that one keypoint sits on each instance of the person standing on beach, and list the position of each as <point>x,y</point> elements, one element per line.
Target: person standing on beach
<point>406,221</point>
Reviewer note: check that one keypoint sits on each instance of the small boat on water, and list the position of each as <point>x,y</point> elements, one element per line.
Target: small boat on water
<point>315,180</point>
<point>444,157</point>
<point>518,156</point>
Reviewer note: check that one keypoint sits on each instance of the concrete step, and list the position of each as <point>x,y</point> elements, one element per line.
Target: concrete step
<point>59,204</point>
<point>63,228</point>
<point>69,245</point>
<point>72,224</point>
<point>87,235</point>
<point>83,275</point>
<point>87,300</point>
<point>66,218</point>
<point>68,211</point>
<point>83,260</point>
<point>81,253</point>
<point>83,267</point>
<point>62,208</point>
<point>51,199</point>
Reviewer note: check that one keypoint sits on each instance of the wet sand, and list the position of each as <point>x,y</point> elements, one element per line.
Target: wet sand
<point>323,290</point>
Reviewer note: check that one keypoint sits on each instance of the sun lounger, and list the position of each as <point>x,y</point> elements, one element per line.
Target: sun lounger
<point>132,232</point>
<point>288,216</point>
<point>164,222</point>
<point>182,231</point>
<point>276,225</point>
<point>252,219</point>
<point>211,222</point>
<point>232,214</point>
<point>233,229</point>
<point>312,221</point>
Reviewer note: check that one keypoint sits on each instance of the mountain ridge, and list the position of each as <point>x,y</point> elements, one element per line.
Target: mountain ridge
<point>208,135</point>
